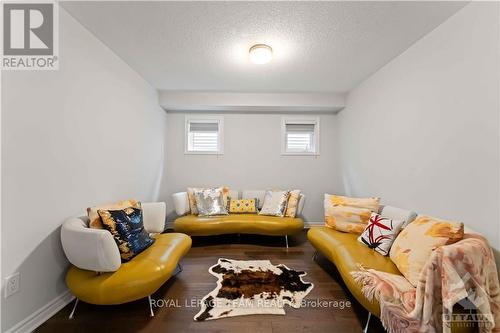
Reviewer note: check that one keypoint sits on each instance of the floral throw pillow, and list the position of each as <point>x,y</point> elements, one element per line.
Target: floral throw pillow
<point>415,243</point>
<point>380,233</point>
<point>349,214</point>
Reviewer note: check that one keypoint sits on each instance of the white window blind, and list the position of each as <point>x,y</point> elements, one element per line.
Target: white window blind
<point>300,136</point>
<point>203,136</point>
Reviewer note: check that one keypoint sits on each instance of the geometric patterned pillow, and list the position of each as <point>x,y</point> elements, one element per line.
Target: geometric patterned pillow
<point>243,206</point>
<point>380,233</point>
<point>349,214</point>
<point>415,243</point>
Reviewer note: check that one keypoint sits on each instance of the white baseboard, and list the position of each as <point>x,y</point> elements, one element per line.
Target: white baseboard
<point>40,316</point>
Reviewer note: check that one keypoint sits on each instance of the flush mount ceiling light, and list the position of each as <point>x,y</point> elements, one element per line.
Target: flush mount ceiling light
<point>261,54</point>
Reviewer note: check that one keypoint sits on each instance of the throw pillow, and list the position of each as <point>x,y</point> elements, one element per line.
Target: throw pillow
<point>349,214</point>
<point>380,233</point>
<point>126,226</point>
<point>246,206</point>
<point>95,221</point>
<point>398,214</point>
<point>414,245</point>
<point>275,203</point>
<point>293,202</point>
<point>210,202</point>
<point>192,198</point>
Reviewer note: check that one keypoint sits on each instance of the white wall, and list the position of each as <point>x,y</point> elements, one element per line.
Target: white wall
<point>89,133</point>
<point>423,132</point>
<point>252,160</point>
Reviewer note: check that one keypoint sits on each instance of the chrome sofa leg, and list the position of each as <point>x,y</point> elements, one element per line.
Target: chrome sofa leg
<point>178,269</point>
<point>286,240</point>
<point>74,308</point>
<point>315,255</point>
<point>367,322</point>
<point>151,313</point>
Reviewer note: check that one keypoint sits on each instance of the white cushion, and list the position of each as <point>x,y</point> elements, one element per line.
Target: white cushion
<point>90,249</point>
<point>233,194</point>
<point>395,213</point>
<point>250,194</point>
<point>154,214</point>
<point>300,205</point>
<point>181,203</point>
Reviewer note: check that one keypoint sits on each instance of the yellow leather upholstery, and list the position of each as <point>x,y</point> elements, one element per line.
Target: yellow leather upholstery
<point>238,223</point>
<point>138,278</point>
<point>345,252</point>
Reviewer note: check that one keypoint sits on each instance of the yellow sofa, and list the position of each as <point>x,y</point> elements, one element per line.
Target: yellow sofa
<point>97,275</point>
<point>136,279</point>
<point>345,252</point>
<point>236,223</point>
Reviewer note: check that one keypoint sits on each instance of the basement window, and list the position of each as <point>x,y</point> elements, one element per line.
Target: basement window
<point>300,136</point>
<point>204,135</point>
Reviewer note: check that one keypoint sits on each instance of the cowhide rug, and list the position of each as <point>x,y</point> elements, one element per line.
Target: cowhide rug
<point>247,287</point>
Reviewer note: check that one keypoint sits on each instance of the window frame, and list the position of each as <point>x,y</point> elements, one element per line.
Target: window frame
<point>300,120</point>
<point>204,119</point>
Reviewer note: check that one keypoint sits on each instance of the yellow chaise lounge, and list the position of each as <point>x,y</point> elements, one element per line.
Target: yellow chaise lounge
<point>98,276</point>
<point>346,252</point>
<point>236,223</point>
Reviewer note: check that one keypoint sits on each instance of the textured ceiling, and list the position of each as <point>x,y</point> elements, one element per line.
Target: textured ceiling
<point>318,46</point>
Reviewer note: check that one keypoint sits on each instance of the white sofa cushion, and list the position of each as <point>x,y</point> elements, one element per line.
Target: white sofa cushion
<point>395,213</point>
<point>250,194</point>
<point>154,215</point>
<point>90,249</point>
<point>234,194</point>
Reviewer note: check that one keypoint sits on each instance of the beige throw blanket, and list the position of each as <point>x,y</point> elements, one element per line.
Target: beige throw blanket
<point>454,272</point>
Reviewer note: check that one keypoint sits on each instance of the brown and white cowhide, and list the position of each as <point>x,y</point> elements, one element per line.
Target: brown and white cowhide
<point>246,287</point>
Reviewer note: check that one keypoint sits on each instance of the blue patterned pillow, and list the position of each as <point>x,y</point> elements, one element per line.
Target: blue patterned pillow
<point>127,228</point>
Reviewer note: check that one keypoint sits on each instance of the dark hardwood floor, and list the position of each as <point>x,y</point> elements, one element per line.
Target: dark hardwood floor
<point>194,282</point>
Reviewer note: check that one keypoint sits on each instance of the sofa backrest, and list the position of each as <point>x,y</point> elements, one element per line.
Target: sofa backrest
<point>399,214</point>
<point>181,201</point>
<point>250,194</point>
<point>95,249</point>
